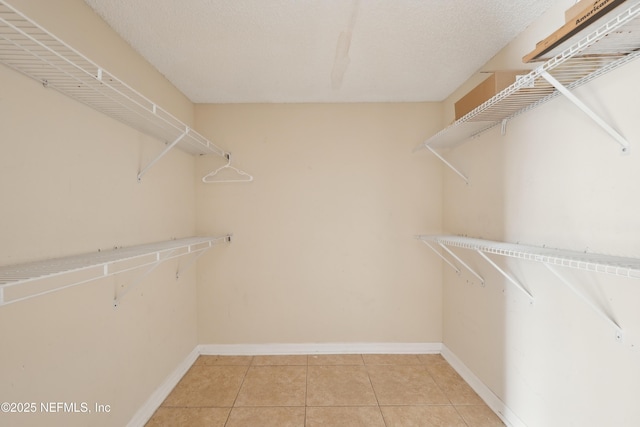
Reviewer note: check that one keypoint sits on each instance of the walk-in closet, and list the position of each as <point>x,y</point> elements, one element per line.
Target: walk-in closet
<point>319,213</point>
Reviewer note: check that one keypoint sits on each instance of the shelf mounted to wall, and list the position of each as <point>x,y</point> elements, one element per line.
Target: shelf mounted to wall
<point>23,281</point>
<point>569,65</point>
<point>551,258</point>
<point>31,50</point>
<point>474,244</point>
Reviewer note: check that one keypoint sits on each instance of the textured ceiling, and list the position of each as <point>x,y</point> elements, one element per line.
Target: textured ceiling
<point>237,51</point>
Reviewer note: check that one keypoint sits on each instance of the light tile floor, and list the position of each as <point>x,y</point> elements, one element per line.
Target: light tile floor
<point>369,390</point>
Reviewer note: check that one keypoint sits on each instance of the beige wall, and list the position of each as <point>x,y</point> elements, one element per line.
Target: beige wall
<point>554,179</point>
<point>68,185</point>
<point>323,249</point>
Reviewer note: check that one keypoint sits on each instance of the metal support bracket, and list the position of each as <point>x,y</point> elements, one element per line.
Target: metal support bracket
<point>507,276</point>
<point>460,174</point>
<point>201,252</point>
<point>442,256</point>
<point>134,283</point>
<point>450,252</point>
<point>599,310</point>
<point>189,264</point>
<point>589,112</point>
<point>165,151</point>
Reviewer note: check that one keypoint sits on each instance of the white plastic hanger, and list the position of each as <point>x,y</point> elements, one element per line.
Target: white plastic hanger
<point>237,175</point>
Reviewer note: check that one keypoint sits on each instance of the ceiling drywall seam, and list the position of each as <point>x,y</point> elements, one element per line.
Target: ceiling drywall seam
<point>341,61</point>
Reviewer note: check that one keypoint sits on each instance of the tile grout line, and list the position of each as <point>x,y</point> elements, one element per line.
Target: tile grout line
<point>366,369</point>
<point>306,391</point>
<point>426,365</point>
<point>238,392</point>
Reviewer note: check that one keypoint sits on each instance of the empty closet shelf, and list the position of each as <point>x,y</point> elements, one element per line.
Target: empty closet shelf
<point>30,49</point>
<point>22,281</point>
<point>609,264</point>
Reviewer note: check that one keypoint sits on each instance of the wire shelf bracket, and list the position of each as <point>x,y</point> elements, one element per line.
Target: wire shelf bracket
<point>448,164</point>
<point>568,66</point>
<point>24,281</point>
<point>160,257</point>
<point>452,265</point>
<point>588,111</point>
<point>165,151</point>
<point>551,258</point>
<point>457,258</point>
<point>518,285</point>
<point>193,259</point>
<point>602,313</point>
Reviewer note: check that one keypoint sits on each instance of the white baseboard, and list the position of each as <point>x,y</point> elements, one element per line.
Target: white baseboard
<point>319,348</point>
<point>149,407</point>
<point>490,398</point>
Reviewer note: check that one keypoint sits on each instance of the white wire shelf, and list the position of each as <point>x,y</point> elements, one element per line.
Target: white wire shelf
<point>572,64</point>
<point>598,263</point>
<point>550,258</point>
<point>22,281</point>
<point>30,49</point>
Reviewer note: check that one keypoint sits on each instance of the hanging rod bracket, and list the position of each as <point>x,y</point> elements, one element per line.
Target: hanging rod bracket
<point>588,111</point>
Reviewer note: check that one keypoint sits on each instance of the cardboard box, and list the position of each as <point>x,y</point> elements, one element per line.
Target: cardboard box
<point>577,8</point>
<point>491,86</point>
<point>590,13</point>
